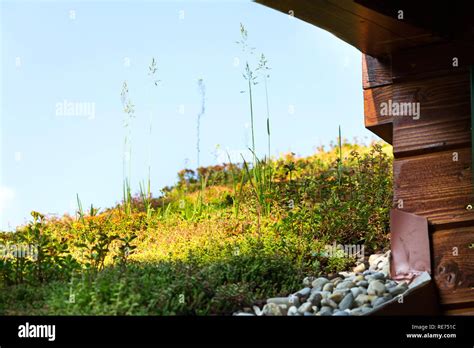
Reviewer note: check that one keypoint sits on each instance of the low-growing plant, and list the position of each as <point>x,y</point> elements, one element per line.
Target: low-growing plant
<point>177,288</point>
<point>95,241</point>
<point>213,259</point>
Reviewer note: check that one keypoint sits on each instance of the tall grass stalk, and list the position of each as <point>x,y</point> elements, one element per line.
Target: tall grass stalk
<point>263,67</point>
<point>203,181</point>
<point>129,110</point>
<point>260,176</point>
<point>202,92</point>
<point>80,211</point>
<point>145,189</point>
<point>339,164</point>
<point>250,77</point>
<point>149,209</point>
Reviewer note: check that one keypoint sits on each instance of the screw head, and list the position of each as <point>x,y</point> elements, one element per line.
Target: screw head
<point>469,207</point>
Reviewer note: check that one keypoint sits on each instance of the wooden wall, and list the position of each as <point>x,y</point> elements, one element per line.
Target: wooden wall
<point>432,164</point>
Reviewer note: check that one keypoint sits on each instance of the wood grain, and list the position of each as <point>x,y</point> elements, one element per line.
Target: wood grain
<point>453,268</point>
<point>374,121</point>
<point>432,60</point>
<point>444,121</point>
<point>436,187</point>
<point>375,72</point>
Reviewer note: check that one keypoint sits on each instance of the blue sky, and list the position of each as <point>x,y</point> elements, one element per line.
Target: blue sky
<point>56,51</point>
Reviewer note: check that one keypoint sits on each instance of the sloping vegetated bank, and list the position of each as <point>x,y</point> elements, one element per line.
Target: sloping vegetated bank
<point>222,238</point>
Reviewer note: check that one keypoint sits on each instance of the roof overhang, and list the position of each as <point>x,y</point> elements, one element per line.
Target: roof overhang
<point>374,27</point>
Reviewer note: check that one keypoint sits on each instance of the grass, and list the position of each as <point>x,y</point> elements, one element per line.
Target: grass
<point>264,69</point>
<point>118,263</point>
<point>202,93</point>
<point>251,78</point>
<point>129,110</point>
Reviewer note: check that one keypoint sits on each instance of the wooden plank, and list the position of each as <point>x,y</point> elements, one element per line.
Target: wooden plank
<point>429,135</point>
<point>444,119</point>
<point>437,186</point>
<point>443,122</point>
<point>453,270</point>
<point>432,60</point>
<point>375,72</point>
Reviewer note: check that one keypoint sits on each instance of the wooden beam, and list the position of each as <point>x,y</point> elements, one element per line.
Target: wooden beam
<point>376,82</point>
<point>437,186</point>
<point>374,121</point>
